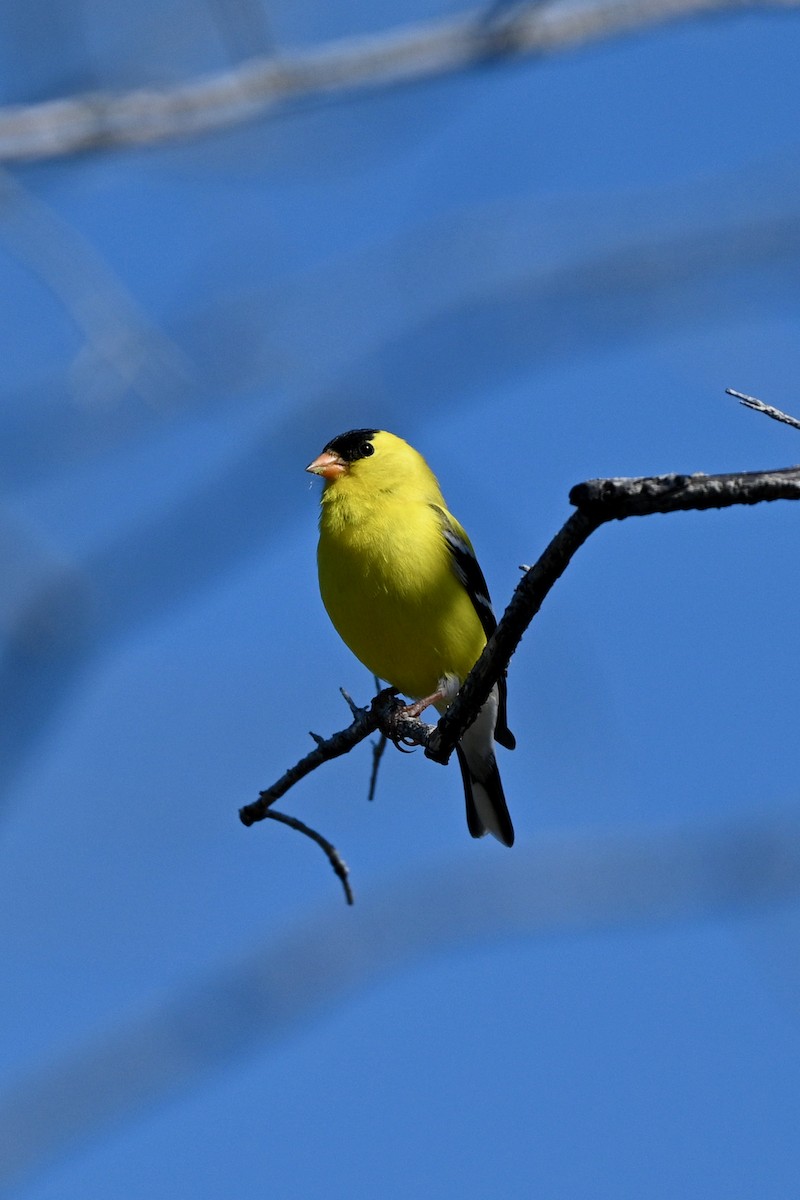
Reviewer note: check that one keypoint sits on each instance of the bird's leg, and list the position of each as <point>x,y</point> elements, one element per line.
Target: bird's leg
<point>418,706</point>
<point>446,690</point>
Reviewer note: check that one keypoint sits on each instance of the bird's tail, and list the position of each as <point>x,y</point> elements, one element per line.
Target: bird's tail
<point>486,805</point>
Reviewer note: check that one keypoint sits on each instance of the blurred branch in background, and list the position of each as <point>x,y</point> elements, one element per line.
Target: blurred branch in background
<point>542,283</point>
<point>46,611</point>
<point>568,884</point>
<point>401,56</point>
<point>123,350</point>
<point>45,601</point>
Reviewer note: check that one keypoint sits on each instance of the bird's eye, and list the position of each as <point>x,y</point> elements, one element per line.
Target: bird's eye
<point>366,449</point>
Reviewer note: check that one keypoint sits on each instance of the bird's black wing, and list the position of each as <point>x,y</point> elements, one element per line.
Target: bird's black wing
<point>469,573</point>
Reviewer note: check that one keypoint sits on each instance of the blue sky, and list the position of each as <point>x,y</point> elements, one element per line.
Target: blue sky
<point>539,272</point>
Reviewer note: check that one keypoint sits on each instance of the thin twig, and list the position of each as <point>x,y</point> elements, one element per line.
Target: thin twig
<point>350,702</point>
<point>326,750</point>
<point>265,84</point>
<point>385,713</point>
<point>378,749</point>
<point>767,409</point>
<point>332,854</point>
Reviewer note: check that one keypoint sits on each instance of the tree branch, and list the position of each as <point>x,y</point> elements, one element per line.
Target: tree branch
<point>597,501</point>
<point>385,714</point>
<point>265,84</point>
<point>525,603</point>
<point>330,851</point>
<point>378,749</point>
<point>760,406</point>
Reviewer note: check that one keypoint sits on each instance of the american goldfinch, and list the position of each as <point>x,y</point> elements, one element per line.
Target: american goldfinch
<point>403,588</point>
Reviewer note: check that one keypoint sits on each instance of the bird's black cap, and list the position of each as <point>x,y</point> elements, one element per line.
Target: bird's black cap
<point>355,444</point>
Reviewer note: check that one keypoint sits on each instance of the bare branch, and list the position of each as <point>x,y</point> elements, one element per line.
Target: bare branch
<point>350,702</point>
<point>333,855</point>
<point>326,750</point>
<point>265,84</point>
<point>767,409</point>
<point>378,749</point>
<point>616,499</point>
<point>525,603</point>
<point>597,501</point>
<point>385,713</point>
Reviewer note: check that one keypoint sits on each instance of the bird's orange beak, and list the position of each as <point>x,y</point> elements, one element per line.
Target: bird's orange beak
<point>329,466</point>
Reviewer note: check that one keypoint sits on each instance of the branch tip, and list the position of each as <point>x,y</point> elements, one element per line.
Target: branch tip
<point>767,409</point>
<point>331,853</point>
<point>350,702</point>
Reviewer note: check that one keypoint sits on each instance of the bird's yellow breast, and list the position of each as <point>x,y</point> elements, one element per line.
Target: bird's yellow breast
<point>387,582</point>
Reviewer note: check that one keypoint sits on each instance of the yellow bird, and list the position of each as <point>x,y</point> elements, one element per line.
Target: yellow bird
<point>402,586</point>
